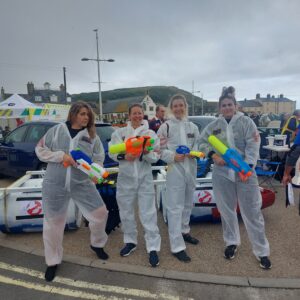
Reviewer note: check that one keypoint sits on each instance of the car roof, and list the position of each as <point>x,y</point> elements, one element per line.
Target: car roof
<point>45,122</point>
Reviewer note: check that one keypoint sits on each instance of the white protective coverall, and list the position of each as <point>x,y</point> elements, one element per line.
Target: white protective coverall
<point>135,182</point>
<point>241,134</point>
<point>181,177</point>
<point>60,184</point>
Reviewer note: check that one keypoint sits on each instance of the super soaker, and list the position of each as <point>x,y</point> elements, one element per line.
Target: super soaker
<point>85,164</point>
<point>135,146</point>
<point>186,150</point>
<point>232,158</point>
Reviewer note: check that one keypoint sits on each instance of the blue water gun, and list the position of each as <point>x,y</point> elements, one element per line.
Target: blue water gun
<point>232,158</point>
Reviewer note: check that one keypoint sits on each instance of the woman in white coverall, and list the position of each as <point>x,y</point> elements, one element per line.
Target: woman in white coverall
<point>240,133</point>
<point>60,183</point>
<point>181,175</point>
<point>135,182</point>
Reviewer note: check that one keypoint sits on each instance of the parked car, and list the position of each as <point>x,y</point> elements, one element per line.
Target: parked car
<point>201,121</point>
<point>17,153</point>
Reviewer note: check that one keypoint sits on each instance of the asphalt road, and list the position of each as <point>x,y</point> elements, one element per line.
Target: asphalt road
<point>21,277</point>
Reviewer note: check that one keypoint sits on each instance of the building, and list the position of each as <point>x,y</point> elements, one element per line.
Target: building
<point>116,111</point>
<point>46,94</point>
<point>270,104</point>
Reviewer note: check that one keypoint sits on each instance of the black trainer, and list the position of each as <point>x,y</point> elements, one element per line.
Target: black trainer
<point>230,251</point>
<point>50,273</point>
<point>100,252</point>
<point>182,256</point>
<point>265,262</point>
<point>127,249</point>
<point>153,259</point>
<point>189,239</point>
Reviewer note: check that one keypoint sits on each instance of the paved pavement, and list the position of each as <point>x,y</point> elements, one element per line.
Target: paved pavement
<point>21,277</point>
<point>208,265</point>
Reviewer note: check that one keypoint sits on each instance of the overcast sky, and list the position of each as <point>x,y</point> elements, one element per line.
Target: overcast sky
<point>252,45</point>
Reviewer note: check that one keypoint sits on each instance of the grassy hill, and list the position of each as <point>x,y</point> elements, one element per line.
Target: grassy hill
<point>159,94</point>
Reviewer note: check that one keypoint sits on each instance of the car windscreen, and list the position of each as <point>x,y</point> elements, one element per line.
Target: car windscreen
<point>201,122</point>
<point>104,132</point>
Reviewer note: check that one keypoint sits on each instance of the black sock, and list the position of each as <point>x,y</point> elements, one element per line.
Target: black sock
<point>100,252</point>
<point>50,273</point>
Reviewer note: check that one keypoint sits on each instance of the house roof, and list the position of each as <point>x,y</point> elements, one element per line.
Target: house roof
<point>250,103</point>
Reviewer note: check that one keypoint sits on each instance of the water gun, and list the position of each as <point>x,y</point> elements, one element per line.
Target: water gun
<point>232,158</point>
<point>133,145</point>
<point>186,150</point>
<point>85,164</point>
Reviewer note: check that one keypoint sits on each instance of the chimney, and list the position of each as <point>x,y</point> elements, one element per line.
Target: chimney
<point>30,88</point>
<point>268,96</point>
<point>257,96</point>
<point>62,88</point>
<point>2,93</point>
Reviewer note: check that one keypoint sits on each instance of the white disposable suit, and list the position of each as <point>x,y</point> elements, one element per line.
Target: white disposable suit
<point>60,184</point>
<point>135,182</point>
<point>241,134</point>
<point>181,177</point>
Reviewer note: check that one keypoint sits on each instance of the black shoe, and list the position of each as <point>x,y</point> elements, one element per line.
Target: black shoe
<point>100,252</point>
<point>265,262</point>
<point>127,249</point>
<point>182,256</point>
<point>189,239</point>
<point>153,259</point>
<point>50,273</point>
<point>230,251</point>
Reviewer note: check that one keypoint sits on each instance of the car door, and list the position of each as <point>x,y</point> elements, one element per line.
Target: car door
<point>10,151</point>
<point>28,158</point>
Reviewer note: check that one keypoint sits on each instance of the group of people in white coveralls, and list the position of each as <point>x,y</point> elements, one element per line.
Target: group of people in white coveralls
<point>135,181</point>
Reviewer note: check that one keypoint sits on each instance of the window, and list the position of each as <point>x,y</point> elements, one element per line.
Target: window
<point>38,98</point>
<point>35,133</point>
<point>151,108</point>
<point>17,135</point>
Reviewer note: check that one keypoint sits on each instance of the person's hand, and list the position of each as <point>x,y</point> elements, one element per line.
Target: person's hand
<point>179,157</point>
<point>218,160</point>
<point>69,161</point>
<point>95,179</point>
<point>286,179</point>
<point>130,157</point>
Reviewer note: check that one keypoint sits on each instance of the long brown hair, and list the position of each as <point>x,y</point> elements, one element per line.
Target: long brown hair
<point>75,109</point>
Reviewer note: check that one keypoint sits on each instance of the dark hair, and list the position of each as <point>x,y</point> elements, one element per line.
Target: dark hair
<point>135,105</point>
<point>228,93</point>
<point>75,109</point>
<point>296,112</point>
<point>158,107</point>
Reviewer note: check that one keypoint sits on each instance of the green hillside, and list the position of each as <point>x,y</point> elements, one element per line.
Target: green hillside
<point>159,94</point>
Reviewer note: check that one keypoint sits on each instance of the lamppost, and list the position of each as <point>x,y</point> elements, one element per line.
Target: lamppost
<point>193,99</point>
<point>98,66</point>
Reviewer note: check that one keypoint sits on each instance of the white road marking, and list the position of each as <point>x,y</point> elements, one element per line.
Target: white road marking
<point>87,285</point>
<point>54,290</point>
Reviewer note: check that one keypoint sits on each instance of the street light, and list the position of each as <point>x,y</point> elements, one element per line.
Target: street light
<point>193,99</point>
<point>98,65</point>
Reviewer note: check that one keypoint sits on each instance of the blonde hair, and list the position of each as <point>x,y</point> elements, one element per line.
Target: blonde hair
<point>178,97</point>
<point>74,111</point>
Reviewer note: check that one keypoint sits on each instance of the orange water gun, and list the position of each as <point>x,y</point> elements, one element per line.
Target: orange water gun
<point>134,145</point>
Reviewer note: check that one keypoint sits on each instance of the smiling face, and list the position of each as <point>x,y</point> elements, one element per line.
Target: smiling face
<point>179,108</point>
<point>136,116</point>
<point>82,118</point>
<point>227,108</point>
